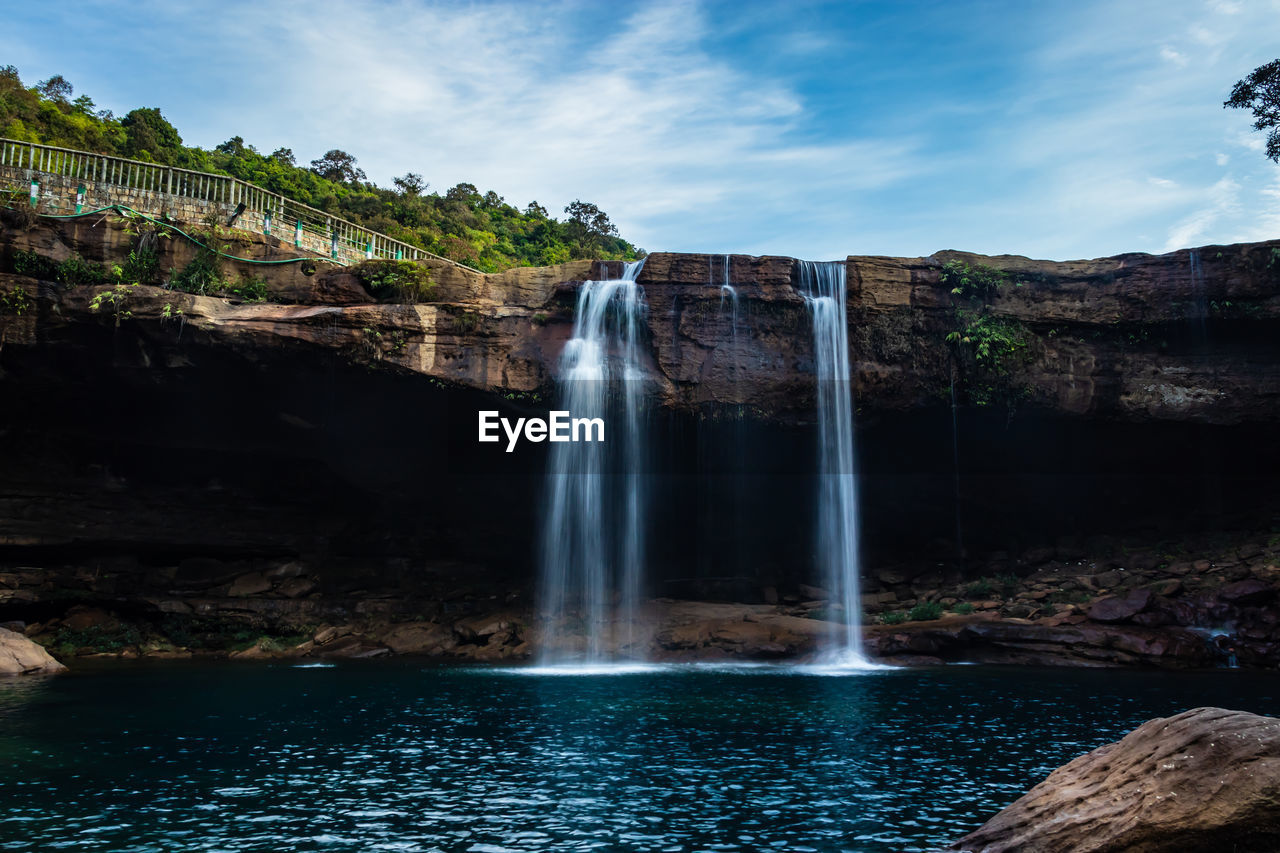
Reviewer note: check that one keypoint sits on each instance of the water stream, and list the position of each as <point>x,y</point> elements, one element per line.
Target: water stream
<point>823,286</point>
<point>593,536</point>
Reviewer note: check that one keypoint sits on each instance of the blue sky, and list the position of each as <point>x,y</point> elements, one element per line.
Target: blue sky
<point>813,129</point>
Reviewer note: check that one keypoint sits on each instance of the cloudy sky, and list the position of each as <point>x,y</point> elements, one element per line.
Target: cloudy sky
<point>814,129</point>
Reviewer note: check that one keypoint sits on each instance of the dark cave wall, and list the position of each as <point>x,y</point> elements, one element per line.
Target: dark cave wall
<point>373,478</point>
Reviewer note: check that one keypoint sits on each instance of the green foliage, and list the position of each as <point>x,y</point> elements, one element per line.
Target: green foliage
<point>397,281</point>
<point>203,275</point>
<point>540,319</point>
<point>480,229</point>
<point>466,322</point>
<point>964,608</point>
<point>995,342</point>
<point>141,267</point>
<point>972,282</point>
<point>1259,92</point>
<point>114,300</point>
<point>35,265</point>
<point>987,347</point>
<point>75,271</point>
<point>96,638</point>
<point>248,288</point>
<point>925,611</point>
<point>14,300</point>
<point>895,617</point>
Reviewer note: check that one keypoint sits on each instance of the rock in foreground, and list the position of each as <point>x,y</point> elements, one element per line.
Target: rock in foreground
<point>1207,779</point>
<point>20,656</point>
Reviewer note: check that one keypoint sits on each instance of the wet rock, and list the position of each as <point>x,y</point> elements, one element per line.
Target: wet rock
<point>20,656</point>
<point>1205,780</point>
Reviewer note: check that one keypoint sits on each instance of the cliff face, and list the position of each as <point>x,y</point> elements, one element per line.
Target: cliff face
<point>305,457</point>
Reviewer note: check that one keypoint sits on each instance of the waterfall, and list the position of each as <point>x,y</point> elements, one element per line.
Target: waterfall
<point>823,286</point>
<point>593,535</point>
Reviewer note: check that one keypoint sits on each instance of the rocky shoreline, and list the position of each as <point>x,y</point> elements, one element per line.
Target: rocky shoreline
<point>1134,608</point>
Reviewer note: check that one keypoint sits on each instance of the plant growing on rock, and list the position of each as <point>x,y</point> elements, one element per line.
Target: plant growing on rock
<point>14,300</point>
<point>990,346</point>
<point>925,611</point>
<point>397,281</point>
<point>114,300</point>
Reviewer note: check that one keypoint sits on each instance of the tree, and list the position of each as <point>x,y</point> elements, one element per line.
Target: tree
<point>338,165</point>
<point>149,133</point>
<point>410,183</point>
<point>535,211</point>
<point>56,88</point>
<point>1260,92</point>
<point>284,155</point>
<point>588,225</point>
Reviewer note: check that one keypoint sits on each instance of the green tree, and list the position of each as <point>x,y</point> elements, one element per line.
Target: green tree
<point>338,165</point>
<point>150,136</point>
<point>1260,92</point>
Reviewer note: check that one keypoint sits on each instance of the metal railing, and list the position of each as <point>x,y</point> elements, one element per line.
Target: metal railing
<point>280,216</point>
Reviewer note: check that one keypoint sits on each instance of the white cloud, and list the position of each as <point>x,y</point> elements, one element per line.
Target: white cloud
<point>1097,131</point>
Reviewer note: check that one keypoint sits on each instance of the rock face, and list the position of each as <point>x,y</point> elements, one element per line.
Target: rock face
<point>20,656</point>
<point>1205,780</point>
<point>313,460</point>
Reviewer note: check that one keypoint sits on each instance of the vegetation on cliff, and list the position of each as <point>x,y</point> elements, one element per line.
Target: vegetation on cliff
<point>480,229</point>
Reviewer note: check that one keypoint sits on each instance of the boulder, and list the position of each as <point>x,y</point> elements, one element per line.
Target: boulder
<point>1205,780</point>
<point>1247,593</point>
<point>419,638</point>
<point>1121,608</point>
<point>20,656</point>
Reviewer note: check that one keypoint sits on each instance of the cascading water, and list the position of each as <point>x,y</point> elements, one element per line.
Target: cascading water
<point>593,539</point>
<point>823,286</point>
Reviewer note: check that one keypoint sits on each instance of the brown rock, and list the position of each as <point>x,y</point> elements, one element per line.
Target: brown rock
<point>297,587</point>
<point>254,583</point>
<point>1206,780</point>
<point>1120,608</point>
<point>20,656</point>
<point>1247,593</point>
<point>419,638</point>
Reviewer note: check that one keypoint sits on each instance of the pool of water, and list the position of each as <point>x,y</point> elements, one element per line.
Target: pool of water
<point>401,756</point>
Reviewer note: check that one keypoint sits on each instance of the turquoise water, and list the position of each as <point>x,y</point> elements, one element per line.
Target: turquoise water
<point>398,756</point>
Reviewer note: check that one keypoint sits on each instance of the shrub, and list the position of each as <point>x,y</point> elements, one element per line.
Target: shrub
<point>397,281</point>
<point>975,282</point>
<point>35,265</point>
<point>203,275</point>
<point>75,271</point>
<point>964,608</point>
<point>249,289</point>
<point>981,588</point>
<point>14,300</point>
<point>896,617</point>
<point>142,267</point>
<point>925,611</point>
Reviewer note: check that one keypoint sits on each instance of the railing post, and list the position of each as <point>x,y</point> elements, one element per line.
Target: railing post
<point>170,182</point>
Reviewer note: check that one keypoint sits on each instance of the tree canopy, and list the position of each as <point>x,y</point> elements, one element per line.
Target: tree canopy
<point>476,228</point>
<point>1260,92</point>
